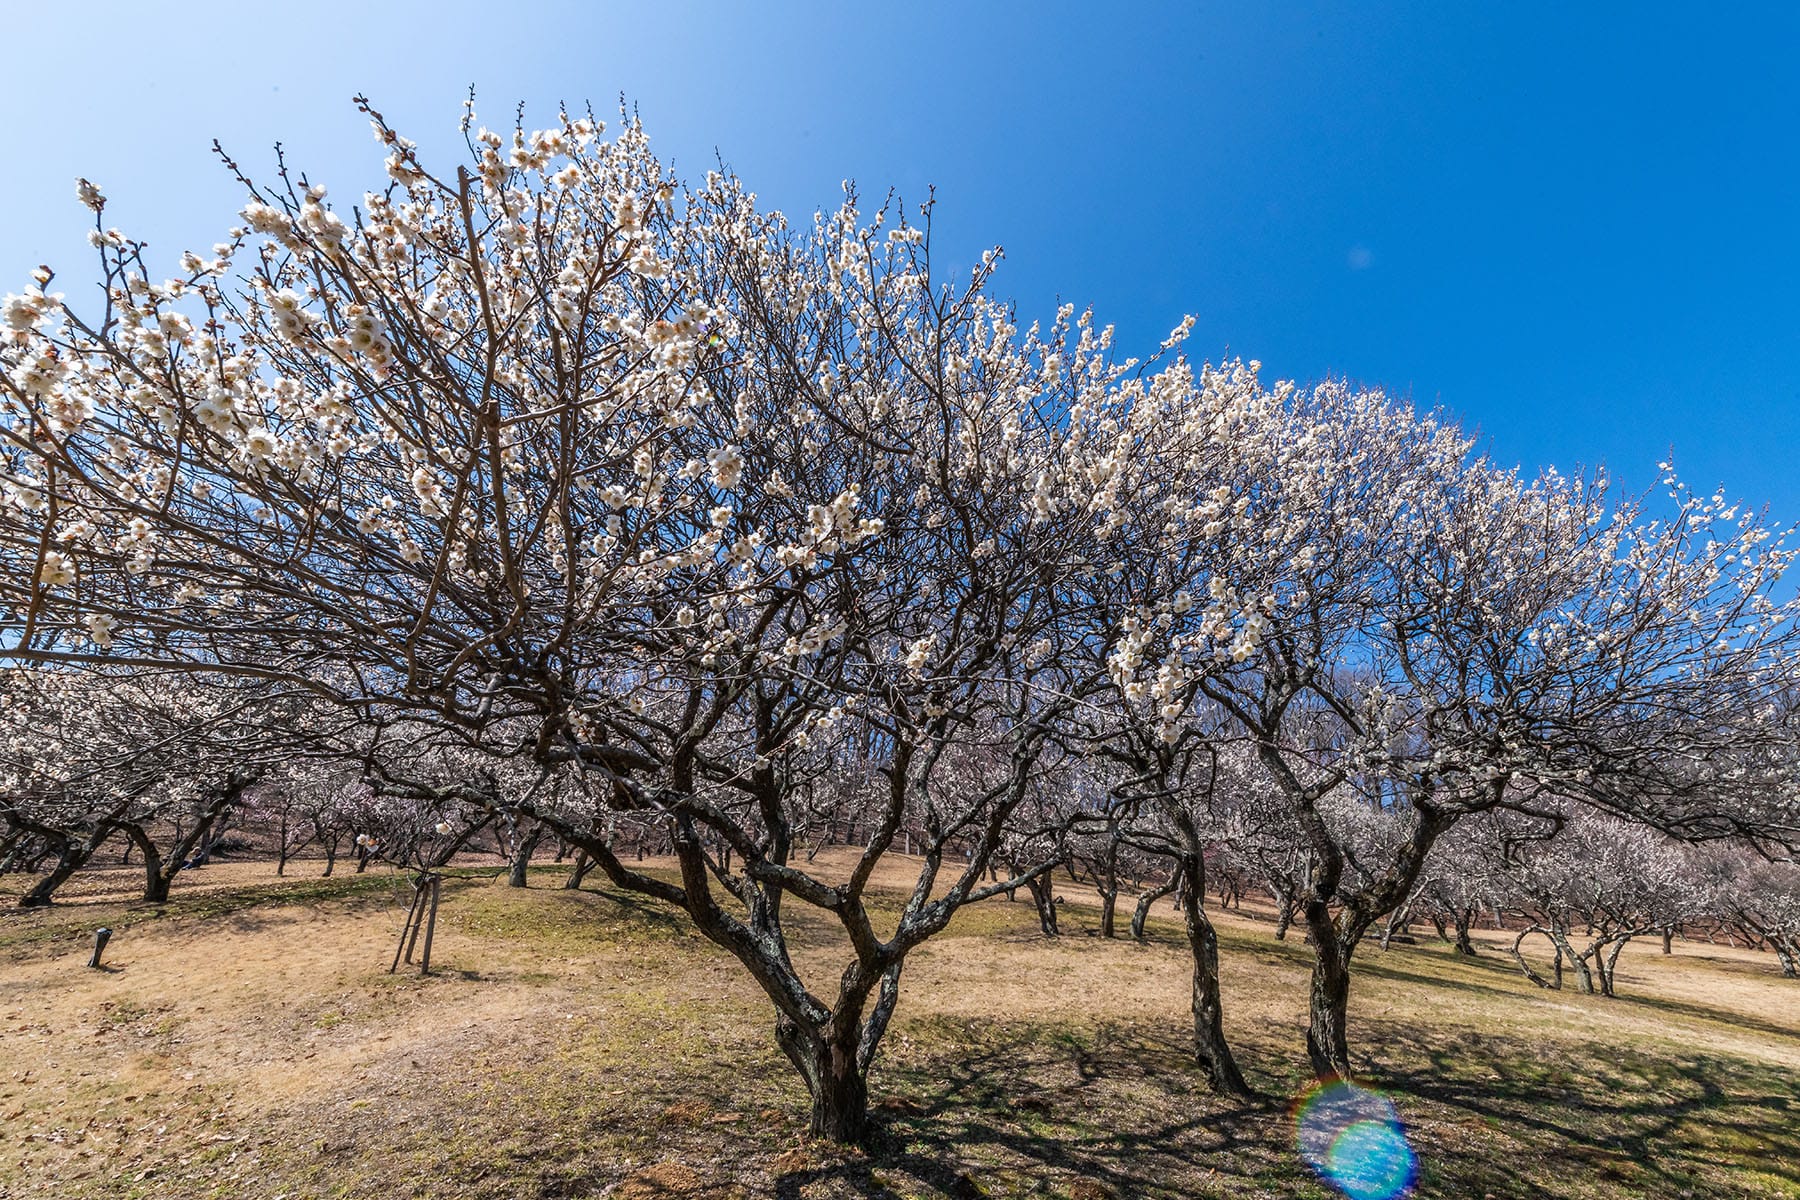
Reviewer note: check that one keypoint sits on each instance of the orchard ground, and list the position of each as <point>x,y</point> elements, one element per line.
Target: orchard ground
<point>246,1040</point>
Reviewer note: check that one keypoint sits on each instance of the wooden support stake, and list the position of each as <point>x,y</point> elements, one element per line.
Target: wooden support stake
<point>418,921</point>
<point>430,928</point>
<point>410,928</point>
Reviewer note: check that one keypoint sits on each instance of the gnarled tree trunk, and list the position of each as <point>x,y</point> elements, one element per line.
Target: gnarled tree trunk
<point>835,1079</point>
<point>1211,1050</point>
<point>583,864</point>
<point>71,857</point>
<point>1043,896</point>
<point>1465,946</point>
<point>1141,914</point>
<point>1328,999</point>
<point>521,858</point>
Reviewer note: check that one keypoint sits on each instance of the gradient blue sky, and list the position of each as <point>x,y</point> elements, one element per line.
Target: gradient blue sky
<point>1577,230</point>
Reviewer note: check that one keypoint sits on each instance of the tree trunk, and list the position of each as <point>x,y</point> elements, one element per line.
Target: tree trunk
<point>1668,939</point>
<point>1395,923</point>
<point>1608,962</point>
<point>1519,957</point>
<point>521,859</point>
<point>1328,998</point>
<point>1109,907</point>
<point>583,864</point>
<point>1211,1050</point>
<point>1788,954</point>
<point>1043,895</point>
<point>1464,945</point>
<point>1328,1004</point>
<point>838,1085</point>
<point>1584,978</point>
<point>70,859</point>
<point>1284,918</point>
<point>156,884</point>
<point>1141,914</point>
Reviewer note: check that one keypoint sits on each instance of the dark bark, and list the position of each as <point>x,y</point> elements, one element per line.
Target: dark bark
<point>835,1080</point>
<point>73,850</point>
<point>156,884</point>
<point>1043,896</point>
<point>583,864</point>
<point>1142,913</point>
<point>159,869</point>
<point>521,857</point>
<point>1328,999</point>
<point>1465,946</point>
<point>1211,1050</point>
<point>1106,882</point>
<point>73,855</point>
<point>1284,918</point>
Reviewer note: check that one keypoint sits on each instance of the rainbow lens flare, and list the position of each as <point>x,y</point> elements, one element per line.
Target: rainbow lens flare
<point>1353,1139</point>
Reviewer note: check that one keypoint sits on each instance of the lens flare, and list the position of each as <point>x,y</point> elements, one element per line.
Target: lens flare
<point>1353,1139</point>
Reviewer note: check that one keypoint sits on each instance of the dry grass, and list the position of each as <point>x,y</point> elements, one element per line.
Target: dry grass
<point>246,1040</point>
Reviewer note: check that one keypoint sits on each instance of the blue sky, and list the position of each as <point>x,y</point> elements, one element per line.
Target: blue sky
<point>1577,230</point>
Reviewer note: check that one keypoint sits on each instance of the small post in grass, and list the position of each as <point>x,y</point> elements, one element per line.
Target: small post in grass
<point>101,936</point>
<point>430,928</point>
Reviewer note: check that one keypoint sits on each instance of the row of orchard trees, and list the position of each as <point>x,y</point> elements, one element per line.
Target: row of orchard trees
<point>555,490</point>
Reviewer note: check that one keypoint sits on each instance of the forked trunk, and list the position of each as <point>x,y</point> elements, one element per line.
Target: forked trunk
<point>1584,977</point>
<point>839,1087</point>
<point>1519,957</point>
<point>72,854</point>
<point>1044,898</point>
<point>583,864</point>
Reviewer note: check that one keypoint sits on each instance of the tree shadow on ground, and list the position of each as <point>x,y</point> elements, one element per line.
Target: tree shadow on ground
<point>1650,1121</point>
<point>1026,1111</point>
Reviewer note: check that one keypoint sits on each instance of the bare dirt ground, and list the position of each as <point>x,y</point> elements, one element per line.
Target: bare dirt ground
<point>246,1040</point>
